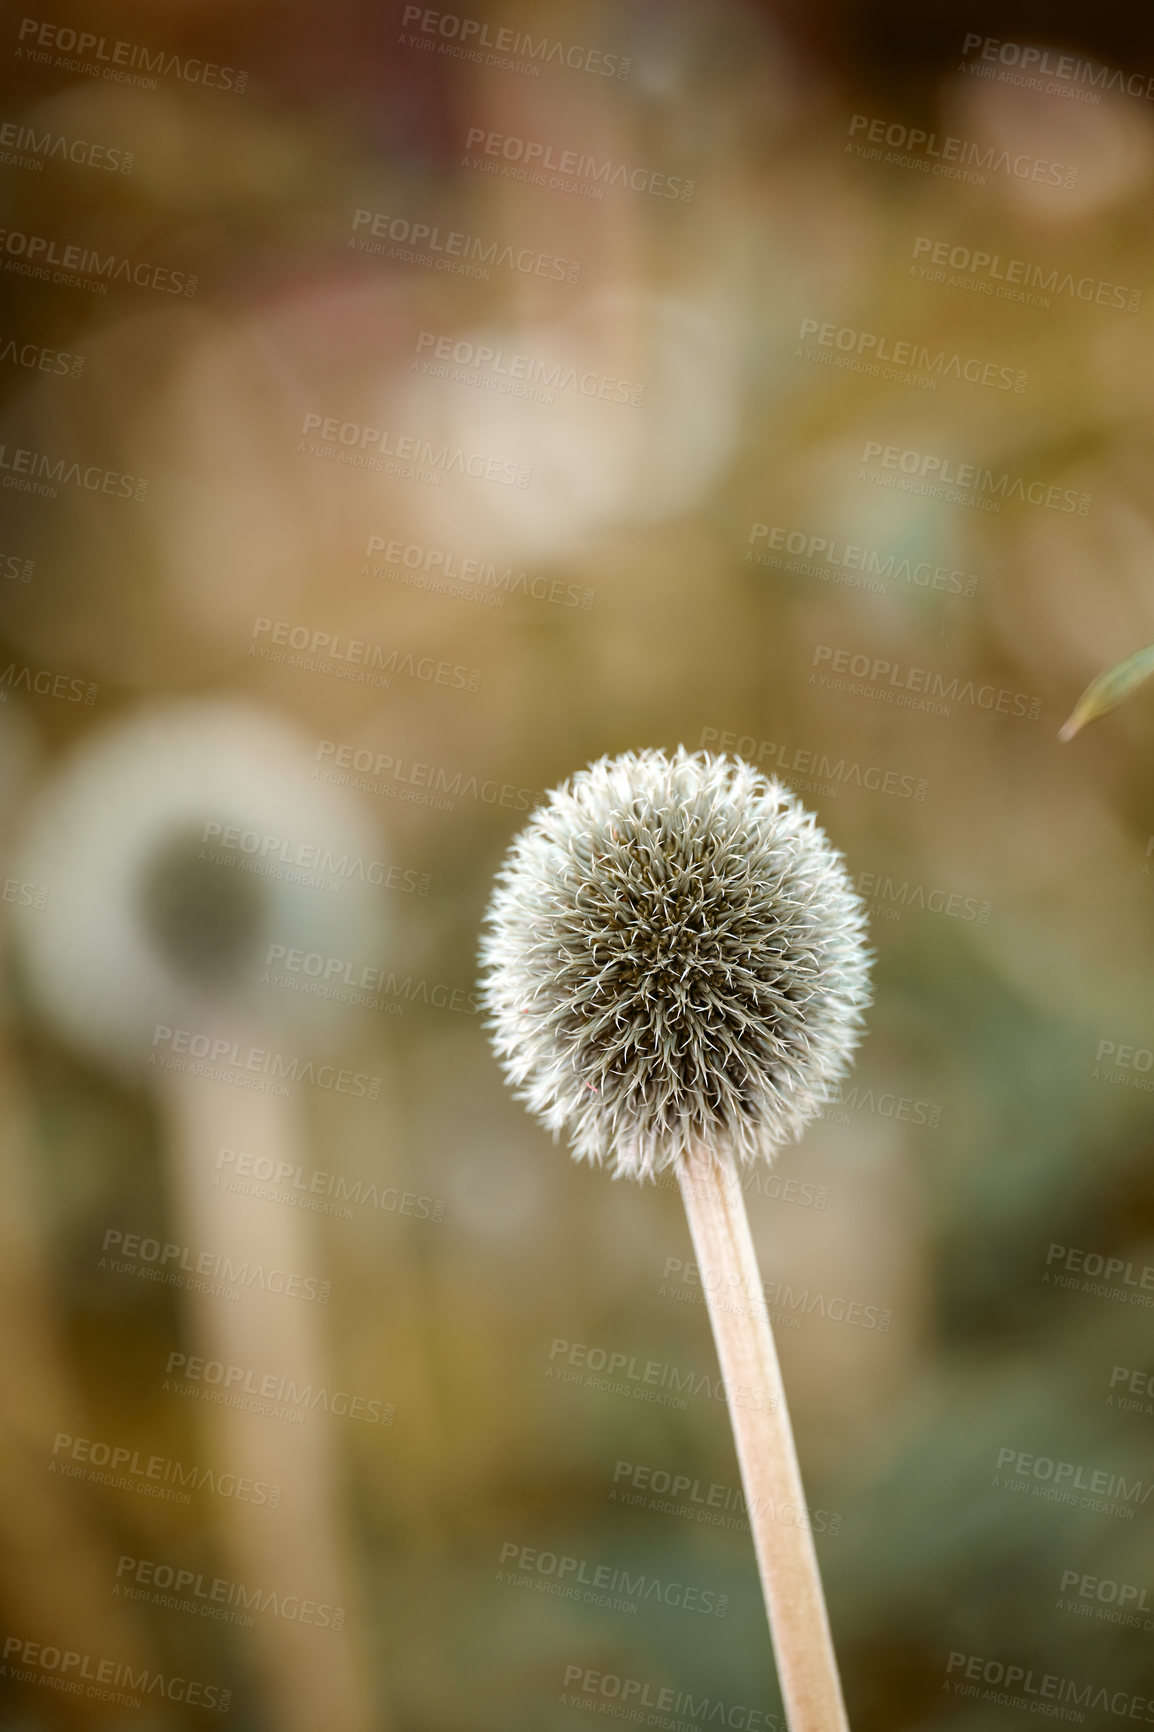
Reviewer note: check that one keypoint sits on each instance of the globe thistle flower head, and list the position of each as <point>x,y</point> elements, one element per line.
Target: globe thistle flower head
<point>674,957</point>
<point>150,922</point>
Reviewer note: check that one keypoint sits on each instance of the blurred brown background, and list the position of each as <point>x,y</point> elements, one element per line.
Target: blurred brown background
<point>402,408</point>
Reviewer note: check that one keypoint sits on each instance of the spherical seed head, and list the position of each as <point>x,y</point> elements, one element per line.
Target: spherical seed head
<point>674,957</point>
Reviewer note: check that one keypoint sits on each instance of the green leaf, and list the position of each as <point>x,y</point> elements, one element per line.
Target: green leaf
<point>1108,690</point>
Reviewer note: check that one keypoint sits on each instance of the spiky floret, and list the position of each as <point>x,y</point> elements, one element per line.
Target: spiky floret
<point>674,957</point>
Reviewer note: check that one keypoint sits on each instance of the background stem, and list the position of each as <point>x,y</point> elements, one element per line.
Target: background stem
<point>308,1675</point>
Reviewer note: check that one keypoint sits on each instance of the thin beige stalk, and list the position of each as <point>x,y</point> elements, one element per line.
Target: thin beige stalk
<point>58,1553</point>
<point>766,1453</point>
<point>309,1676</point>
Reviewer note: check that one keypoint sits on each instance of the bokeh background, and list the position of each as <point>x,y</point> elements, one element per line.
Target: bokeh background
<point>359,486</point>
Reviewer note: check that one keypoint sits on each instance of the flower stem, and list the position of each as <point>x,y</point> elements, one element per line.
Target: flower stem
<point>308,1676</point>
<point>766,1453</point>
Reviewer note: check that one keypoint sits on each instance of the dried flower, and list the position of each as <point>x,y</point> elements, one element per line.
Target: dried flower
<point>148,920</point>
<point>674,958</point>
